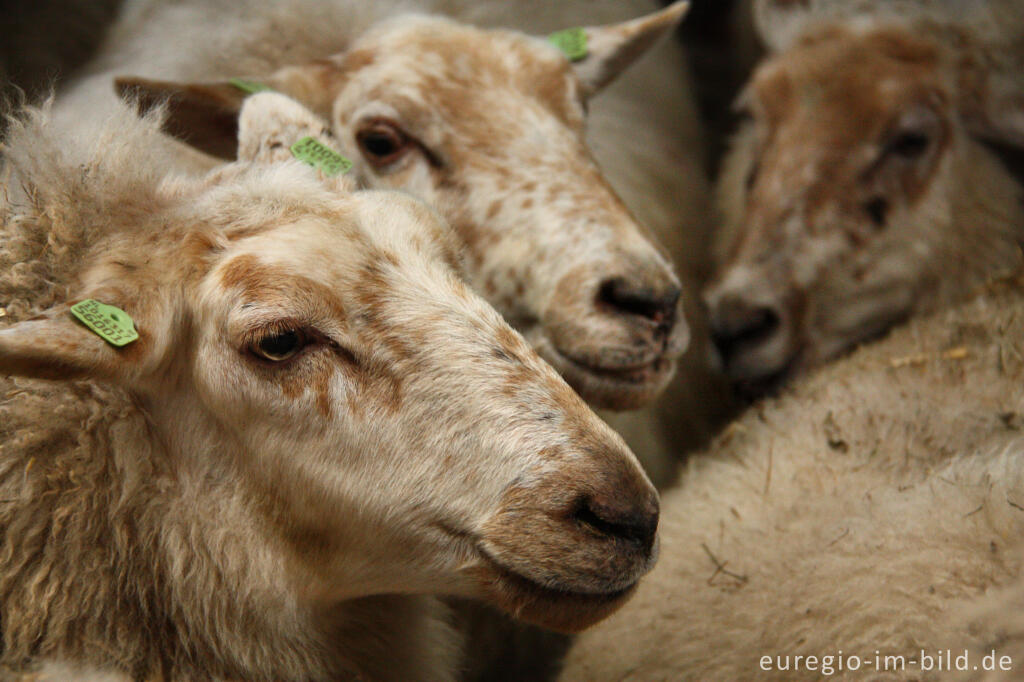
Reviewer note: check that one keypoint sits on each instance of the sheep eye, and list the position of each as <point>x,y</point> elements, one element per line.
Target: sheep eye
<point>751,178</point>
<point>383,143</point>
<point>910,144</point>
<point>877,209</point>
<point>279,347</point>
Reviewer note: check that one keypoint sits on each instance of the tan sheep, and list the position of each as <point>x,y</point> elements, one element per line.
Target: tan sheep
<point>318,429</point>
<point>864,189</point>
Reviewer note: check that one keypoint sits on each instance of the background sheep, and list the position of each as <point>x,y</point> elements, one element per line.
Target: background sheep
<point>863,189</point>
<point>532,209</point>
<point>857,512</point>
<point>249,490</point>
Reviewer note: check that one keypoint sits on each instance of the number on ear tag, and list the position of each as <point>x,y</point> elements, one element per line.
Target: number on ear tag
<point>114,325</point>
<point>320,156</point>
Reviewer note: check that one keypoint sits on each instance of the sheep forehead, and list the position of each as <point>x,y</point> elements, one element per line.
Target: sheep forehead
<point>463,74</point>
<point>846,86</point>
<point>331,245</point>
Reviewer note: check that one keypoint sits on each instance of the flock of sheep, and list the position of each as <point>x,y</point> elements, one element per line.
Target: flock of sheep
<point>356,436</point>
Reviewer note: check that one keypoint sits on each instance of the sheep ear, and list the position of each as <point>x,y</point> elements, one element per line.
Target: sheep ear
<point>205,115</point>
<point>271,122</point>
<point>779,22</point>
<point>57,346</point>
<point>611,49</point>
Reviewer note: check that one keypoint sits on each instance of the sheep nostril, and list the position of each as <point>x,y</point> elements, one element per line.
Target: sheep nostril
<point>637,525</point>
<point>654,303</point>
<point>742,325</point>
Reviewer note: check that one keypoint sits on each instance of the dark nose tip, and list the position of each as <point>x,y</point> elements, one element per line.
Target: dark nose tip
<point>637,524</point>
<point>657,303</point>
<point>736,322</point>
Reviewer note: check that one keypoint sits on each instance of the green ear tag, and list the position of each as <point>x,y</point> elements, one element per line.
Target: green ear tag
<point>318,155</point>
<point>571,41</point>
<point>113,324</point>
<point>250,87</point>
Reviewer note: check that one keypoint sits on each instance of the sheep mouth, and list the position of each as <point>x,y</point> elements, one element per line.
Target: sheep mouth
<point>622,387</point>
<point>553,608</point>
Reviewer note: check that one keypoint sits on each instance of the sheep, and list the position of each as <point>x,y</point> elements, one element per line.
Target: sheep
<point>866,509</point>
<point>491,134</point>
<point>318,429</point>
<point>863,189</point>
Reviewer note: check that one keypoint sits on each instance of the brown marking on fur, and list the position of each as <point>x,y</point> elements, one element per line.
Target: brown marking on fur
<point>540,510</point>
<point>355,60</point>
<point>512,344</point>
<point>809,95</point>
<point>198,245</point>
<point>313,372</point>
<point>244,272</point>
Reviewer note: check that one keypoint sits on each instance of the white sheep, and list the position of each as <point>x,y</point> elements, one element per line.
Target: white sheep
<point>488,127</point>
<point>863,189</point>
<point>865,510</point>
<point>318,428</point>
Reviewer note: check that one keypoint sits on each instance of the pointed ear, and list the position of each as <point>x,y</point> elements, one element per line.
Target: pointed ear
<point>779,22</point>
<point>270,123</point>
<point>611,49</point>
<point>205,115</point>
<point>56,346</point>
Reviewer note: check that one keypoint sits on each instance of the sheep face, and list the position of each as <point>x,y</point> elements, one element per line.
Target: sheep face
<point>390,432</point>
<point>847,200</point>
<point>488,127</point>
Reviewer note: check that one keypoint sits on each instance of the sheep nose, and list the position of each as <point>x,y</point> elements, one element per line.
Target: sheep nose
<point>736,322</point>
<point>657,303</point>
<point>615,518</point>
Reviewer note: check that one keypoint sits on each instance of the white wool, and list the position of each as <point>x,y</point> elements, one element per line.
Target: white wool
<point>865,509</point>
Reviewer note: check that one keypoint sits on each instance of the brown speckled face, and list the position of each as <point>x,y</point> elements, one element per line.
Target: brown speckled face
<point>374,385</point>
<point>488,127</point>
<point>824,192</point>
<point>378,426</point>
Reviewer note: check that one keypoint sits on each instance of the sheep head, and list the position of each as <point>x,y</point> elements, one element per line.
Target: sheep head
<point>487,126</point>
<point>857,192</point>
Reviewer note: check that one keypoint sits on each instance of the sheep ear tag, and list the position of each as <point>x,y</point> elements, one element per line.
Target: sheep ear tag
<point>250,87</point>
<point>114,325</point>
<point>318,155</point>
<point>571,41</point>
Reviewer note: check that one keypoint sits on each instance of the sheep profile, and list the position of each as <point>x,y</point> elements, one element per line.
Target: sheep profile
<point>318,429</point>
